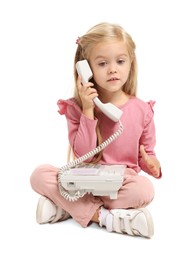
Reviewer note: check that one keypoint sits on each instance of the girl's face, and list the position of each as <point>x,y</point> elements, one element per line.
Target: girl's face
<point>110,63</point>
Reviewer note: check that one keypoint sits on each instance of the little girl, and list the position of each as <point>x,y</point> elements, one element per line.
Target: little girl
<point>110,52</point>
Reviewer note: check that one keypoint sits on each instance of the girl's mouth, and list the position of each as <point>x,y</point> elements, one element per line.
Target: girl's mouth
<point>113,79</point>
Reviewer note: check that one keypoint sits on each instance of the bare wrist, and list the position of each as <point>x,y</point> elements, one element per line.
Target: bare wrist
<point>88,113</point>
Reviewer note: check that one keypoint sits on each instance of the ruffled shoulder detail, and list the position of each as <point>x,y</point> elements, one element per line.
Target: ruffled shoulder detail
<point>64,104</point>
<point>151,104</point>
<point>150,111</point>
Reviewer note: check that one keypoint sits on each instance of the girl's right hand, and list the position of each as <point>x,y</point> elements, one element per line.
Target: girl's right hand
<point>87,94</point>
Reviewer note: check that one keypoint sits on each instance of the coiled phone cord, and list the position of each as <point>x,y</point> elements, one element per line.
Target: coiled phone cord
<point>78,194</point>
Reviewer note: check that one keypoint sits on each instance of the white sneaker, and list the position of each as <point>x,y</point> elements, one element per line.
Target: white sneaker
<point>135,222</point>
<point>48,212</point>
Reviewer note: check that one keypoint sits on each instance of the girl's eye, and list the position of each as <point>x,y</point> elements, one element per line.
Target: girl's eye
<point>121,61</point>
<point>102,63</point>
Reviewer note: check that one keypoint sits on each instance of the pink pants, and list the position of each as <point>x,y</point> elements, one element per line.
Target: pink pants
<point>137,191</point>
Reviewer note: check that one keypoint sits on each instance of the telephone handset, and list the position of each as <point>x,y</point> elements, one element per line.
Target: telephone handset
<point>108,109</point>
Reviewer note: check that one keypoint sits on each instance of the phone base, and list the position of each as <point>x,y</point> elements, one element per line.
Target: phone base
<point>100,180</point>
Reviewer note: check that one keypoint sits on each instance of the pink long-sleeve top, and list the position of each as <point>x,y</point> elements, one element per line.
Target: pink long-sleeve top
<point>139,128</point>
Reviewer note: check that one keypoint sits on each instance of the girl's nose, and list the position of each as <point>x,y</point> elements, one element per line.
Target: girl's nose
<point>112,69</point>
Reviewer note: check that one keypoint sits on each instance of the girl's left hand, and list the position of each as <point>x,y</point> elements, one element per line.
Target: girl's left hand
<point>152,164</point>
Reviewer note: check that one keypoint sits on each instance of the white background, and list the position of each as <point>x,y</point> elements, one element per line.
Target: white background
<point>37,46</point>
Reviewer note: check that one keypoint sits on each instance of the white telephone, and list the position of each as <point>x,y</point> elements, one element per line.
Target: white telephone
<point>76,178</point>
<point>98,179</point>
<point>108,109</point>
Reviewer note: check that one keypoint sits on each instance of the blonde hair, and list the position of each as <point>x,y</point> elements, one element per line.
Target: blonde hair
<point>101,33</point>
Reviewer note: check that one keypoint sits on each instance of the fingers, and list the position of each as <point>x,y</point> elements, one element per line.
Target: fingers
<point>152,163</point>
<point>83,87</point>
<point>143,153</point>
<point>87,93</point>
<point>141,148</point>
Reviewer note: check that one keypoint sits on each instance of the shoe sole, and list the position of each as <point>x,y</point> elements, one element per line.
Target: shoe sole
<point>149,222</point>
<point>40,210</point>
